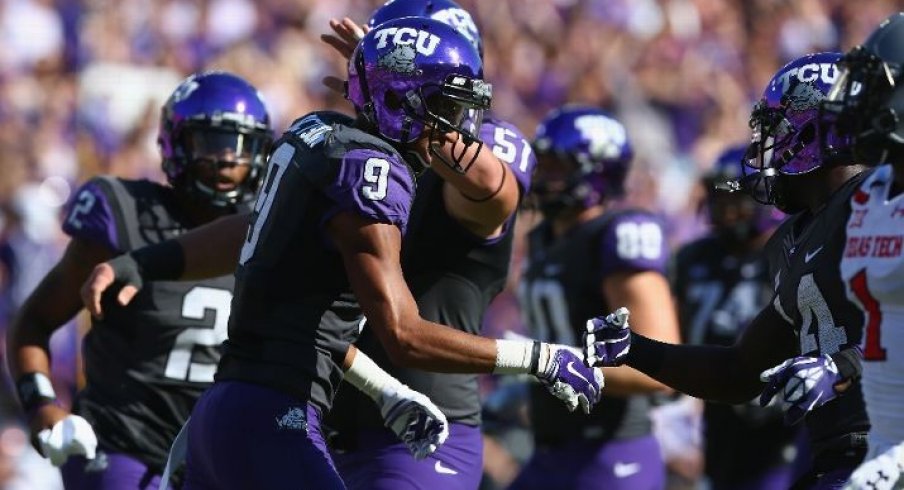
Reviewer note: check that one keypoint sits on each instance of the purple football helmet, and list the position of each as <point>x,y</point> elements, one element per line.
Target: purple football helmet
<point>866,104</point>
<point>445,11</point>
<point>734,215</point>
<point>415,74</point>
<point>209,116</point>
<point>583,157</point>
<point>788,138</point>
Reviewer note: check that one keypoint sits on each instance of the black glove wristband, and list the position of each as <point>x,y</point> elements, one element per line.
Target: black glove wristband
<point>34,390</point>
<point>849,363</point>
<point>164,261</point>
<point>535,357</point>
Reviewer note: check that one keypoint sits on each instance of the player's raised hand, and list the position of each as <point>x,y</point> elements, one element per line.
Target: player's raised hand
<point>346,37</point>
<point>568,379</point>
<point>414,419</point>
<point>802,384</point>
<point>607,339</point>
<point>122,270</point>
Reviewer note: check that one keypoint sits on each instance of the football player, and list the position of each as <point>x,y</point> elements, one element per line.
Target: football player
<point>585,257</point>
<point>720,283</point>
<point>807,172</point>
<point>326,237</point>
<point>865,105</point>
<point>145,364</point>
<point>455,258</point>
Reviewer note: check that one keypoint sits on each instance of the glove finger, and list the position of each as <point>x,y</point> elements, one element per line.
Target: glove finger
<point>585,404</point>
<point>779,372</point>
<point>768,393</point>
<point>621,317</point>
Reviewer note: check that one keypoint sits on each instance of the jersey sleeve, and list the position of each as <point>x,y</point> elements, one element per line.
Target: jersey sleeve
<point>633,242</point>
<point>374,184</point>
<point>510,146</point>
<point>89,215</point>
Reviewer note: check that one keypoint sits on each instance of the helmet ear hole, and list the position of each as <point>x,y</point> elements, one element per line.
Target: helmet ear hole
<point>392,101</point>
<point>808,133</point>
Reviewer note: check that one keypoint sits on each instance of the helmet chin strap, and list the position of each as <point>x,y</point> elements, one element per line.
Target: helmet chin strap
<point>416,161</point>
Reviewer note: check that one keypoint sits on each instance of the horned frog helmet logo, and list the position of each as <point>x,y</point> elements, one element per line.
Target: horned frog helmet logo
<point>399,59</point>
<point>803,96</point>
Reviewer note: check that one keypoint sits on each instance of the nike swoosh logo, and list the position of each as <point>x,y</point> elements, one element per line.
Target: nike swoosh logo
<point>442,470</point>
<point>624,470</point>
<point>572,370</point>
<point>809,256</point>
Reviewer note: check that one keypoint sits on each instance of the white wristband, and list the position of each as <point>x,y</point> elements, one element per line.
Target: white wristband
<point>517,356</point>
<point>371,379</point>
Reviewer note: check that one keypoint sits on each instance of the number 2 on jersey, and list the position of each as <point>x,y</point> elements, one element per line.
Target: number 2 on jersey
<point>872,342</point>
<point>195,305</point>
<point>83,205</point>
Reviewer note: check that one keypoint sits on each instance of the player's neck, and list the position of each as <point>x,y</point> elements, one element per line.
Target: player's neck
<point>833,180</point>
<point>198,212</point>
<point>569,219</point>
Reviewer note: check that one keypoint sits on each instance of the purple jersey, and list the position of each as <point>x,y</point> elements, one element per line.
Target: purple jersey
<point>510,146</point>
<point>89,215</point>
<point>294,313</point>
<point>453,276</point>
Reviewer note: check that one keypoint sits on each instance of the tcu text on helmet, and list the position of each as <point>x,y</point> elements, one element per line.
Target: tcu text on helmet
<point>424,42</point>
<point>827,72</point>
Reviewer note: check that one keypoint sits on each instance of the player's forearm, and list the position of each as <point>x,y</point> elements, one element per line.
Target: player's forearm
<point>208,251</point>
<point>28,347</point>
<point>434,347</point>
<point>49,307</point>
<point>213,249</point>
<point>707,372</point>
<point>626,381</point>
<point>483,198</point>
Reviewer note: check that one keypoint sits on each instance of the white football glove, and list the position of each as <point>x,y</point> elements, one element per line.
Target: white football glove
<point>408,413</point>
<point>414,419</point>
<point>884,472</point>
<point>70,436</point>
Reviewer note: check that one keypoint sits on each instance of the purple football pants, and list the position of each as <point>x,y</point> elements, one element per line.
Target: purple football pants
<point>244,436</point>
<point>778,478</point>
<point>381,462</point>
<point>627,464</point>
<point>108,471</point>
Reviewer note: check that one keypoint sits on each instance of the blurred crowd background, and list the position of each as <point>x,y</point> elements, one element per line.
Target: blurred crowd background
<point>81,84</point>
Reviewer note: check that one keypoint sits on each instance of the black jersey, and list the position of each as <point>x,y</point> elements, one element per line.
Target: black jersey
<point>453,275</point>
<point>147,363</point>
<point>294,314</point>
<point>804,263</point>
<point>718,294</point>
<point>562,287</point>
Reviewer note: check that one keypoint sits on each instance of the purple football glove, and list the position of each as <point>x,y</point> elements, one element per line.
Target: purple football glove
<point>608,339</point>
<point>802,383</point>
<point>569,380</point>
